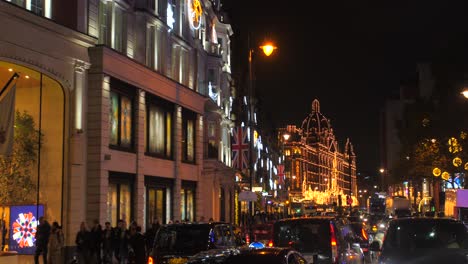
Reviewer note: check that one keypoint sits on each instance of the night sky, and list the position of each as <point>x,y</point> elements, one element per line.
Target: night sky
<point>349,56</point>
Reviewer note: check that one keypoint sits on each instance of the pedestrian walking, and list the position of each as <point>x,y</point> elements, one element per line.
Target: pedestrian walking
<point>122,236</point>
<point>107,243</point>
<point>151,233</point>
<point>96,242</point>
<point>83,242</point>
<point>56,243</point>
<point>137,244</point>
<point>42,240</point>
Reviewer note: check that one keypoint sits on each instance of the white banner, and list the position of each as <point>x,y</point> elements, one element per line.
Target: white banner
<point>7,120</point>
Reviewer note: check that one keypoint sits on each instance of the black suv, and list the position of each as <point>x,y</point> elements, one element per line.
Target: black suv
<point>175,243</point>
<point>319,239</point>
<point>424,240</point>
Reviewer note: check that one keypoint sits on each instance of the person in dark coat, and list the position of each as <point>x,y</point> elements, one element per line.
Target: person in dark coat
<point>137,244</point>
<point>150,235</point>
<point>107,243</point>
<point>96,242</point>
<point>122,235</point>
<point>83,244</point>
<point>42,240</point>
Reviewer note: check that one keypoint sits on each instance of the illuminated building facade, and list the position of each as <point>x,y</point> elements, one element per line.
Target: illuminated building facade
<point>128,96</point>
<point>316,169</point>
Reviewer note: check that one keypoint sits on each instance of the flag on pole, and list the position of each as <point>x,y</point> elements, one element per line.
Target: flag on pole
<point>280,174</point>
<point>240,148</point>
<point>7,119</point>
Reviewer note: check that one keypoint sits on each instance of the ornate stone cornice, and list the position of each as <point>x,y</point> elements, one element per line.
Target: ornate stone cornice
<point>81,66</point>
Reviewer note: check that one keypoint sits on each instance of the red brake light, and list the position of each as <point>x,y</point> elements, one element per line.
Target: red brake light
<point>333,243</point>
<point>364,234</point>
<point>150,260</point>
<point>333,235</point>
<point>270,243</point>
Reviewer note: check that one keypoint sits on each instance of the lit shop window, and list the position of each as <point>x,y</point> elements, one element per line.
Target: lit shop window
<point>187,205</point>
<point>120,120</point>
<point>159,128</point>
<point>119,202</point>
<point>188,136</point>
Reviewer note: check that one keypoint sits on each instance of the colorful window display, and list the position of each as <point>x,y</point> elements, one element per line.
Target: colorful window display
<point>23,226</point>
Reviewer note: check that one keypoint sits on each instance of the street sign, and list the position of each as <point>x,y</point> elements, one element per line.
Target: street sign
<point>247,196</point>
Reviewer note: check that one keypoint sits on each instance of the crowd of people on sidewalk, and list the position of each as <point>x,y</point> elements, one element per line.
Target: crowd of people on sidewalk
<point>114,244</point>
<point>96,245</point>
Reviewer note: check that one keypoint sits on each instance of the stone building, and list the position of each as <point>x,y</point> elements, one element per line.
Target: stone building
<point>317,169</point>
<point>128,96</point>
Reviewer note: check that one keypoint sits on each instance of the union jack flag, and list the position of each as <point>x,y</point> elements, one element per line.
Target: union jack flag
<point>240,148</point>
<point>280,174</point>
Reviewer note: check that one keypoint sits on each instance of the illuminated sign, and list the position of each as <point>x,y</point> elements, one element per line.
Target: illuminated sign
<point>195,13</point>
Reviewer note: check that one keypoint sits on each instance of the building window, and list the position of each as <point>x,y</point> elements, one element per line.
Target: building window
<point>37,7</point>
<point>188,136</point>
<point>154,44</point>
<point>187,201</point>
<point>159,200</point>
<point>159,128</point>
<point>180,64</point>
<point>119,197</point>
<point>118,29</point>
<point>151,47</point>
<point>103,22</point>
<point>212,141</point>
<point>26,184</point>
<point>112,28</point>
<point>156,205</point>
<point>121,119</point>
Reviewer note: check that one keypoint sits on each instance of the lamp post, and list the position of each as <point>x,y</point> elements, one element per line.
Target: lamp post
<point>267,49</point>
<point>382,178</point>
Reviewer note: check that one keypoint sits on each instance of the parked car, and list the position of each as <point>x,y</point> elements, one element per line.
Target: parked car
<point>245,255</point>
<point>320,239</point>
<point>175,243</point>
<point>424,240</point>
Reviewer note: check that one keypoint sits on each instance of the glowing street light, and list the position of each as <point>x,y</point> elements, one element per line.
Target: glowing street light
<point>465,92</point>
<point>268,48</point>
<point>286,136</point>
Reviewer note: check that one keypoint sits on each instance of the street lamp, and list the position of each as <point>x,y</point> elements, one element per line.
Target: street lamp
<point>382,171</point>
<point>267,49</point>
<point>465,92</point>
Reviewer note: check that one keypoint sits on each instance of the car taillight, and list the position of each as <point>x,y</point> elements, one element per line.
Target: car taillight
<point>333,243</point>
<point>364,234</point>
<point>270,243</point>
<point>150,260</point>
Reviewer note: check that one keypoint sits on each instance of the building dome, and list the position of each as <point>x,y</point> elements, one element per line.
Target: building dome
<point>315,125</point>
